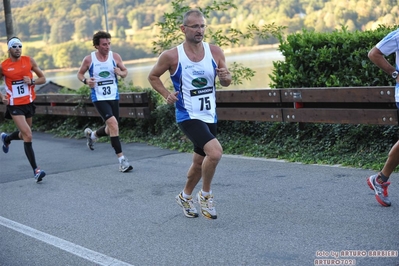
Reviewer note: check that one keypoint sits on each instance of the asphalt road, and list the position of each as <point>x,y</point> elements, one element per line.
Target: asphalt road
<point>85,212</point>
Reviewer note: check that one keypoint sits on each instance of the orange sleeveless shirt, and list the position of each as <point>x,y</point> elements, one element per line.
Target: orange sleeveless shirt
<point>18,92</point>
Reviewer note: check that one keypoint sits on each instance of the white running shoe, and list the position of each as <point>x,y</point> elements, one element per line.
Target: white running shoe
<point>124,166</point>
<point>90,142</point>
<point>207,206</point>
<point>189,209</point>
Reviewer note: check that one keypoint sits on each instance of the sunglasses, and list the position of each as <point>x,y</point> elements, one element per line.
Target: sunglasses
<point>16,46</point>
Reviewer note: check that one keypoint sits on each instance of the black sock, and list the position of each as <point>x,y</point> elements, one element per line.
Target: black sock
<point>116,144</point>
<point>101,132</point>
<point>383,178</point>
<point>30,154</point>
<point>13,136</point>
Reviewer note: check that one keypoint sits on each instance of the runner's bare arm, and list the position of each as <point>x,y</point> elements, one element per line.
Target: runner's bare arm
<point>166,61</point>
<point>41,79</point>
<point>120,68</point>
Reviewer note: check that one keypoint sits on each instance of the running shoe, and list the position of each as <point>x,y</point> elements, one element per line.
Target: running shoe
<point>90,142</point>
<point>381,190</point>
<point>5,145</point>
<point>207,206</point>
<point>124,166</point>
<point>187,205</point>
<point>39,174</point>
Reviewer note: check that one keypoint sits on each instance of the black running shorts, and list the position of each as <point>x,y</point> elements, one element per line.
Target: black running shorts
<point>107,109</point>
<point>27,110</point>
<point>199,133</point>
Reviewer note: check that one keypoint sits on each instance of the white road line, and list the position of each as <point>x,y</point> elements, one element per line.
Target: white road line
<point>72,248</point>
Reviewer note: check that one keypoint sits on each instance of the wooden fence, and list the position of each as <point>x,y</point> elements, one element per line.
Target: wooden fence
<point>347,105</point>
<point>132,105</point>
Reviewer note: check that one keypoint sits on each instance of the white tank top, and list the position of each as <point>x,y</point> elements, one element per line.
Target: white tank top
<point>195,82</point>
<point>388,45</point>
<point>106,87</point>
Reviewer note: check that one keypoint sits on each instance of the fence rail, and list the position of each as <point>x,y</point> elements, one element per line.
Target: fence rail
<point>132,105</point>
<point>346,105</point>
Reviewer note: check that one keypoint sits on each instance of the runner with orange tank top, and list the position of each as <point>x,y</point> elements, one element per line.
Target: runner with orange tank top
<point>16,71</point>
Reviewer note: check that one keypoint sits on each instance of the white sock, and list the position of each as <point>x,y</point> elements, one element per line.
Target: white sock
<point>185,195</point>
<point>121,158</point>
<point>93,135</point>
<point>203,193</point>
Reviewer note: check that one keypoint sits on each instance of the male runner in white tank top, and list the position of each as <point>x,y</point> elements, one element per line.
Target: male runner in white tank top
<point>193,66</point>
<point>385,47</point>
<point>104,66</point>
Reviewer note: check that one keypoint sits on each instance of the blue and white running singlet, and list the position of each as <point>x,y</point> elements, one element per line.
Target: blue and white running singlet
<point>106,87</point>
<point>195,82</point>
<point>387,46</point>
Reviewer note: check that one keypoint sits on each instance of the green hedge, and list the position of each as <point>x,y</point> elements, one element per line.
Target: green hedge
<point>336,59</point>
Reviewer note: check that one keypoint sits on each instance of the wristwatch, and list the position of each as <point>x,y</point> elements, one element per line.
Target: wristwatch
<point>32,82</point>
<point>395,74</point>
<point>84,81</point>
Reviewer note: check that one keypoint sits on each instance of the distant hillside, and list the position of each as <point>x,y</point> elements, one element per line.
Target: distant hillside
<point>59,21</point>
<point>59,32</point>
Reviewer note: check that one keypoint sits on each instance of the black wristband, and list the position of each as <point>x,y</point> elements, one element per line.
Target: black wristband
<point>32,82</point>
<point>84,81</point>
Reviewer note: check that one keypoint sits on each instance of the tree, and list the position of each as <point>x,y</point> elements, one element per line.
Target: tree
<point>83,28</point>
<point>22,30</point>
<point>44,60</point>
<point>170,35</point>
<point>134,18</point>
<point>45,37</point>
<point>350,25</point>
<point>69,54</point>
<point>96,10</point>
<point>121,32</point>
<point>61,31</point>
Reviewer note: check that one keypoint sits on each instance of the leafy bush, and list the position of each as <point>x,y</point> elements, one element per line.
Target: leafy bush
<point>336,59</point>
